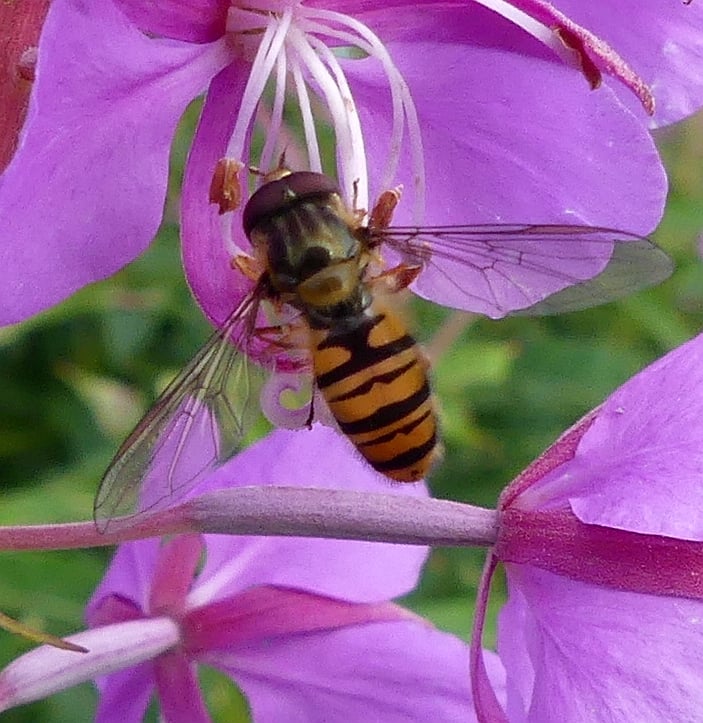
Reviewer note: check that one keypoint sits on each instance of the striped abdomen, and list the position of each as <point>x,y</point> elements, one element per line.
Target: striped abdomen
<point>374,380</point>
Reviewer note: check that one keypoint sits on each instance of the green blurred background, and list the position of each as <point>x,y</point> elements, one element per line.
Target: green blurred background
<point>77,378</point>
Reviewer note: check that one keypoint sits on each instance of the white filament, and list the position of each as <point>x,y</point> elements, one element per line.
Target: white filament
<point>314,158</point>
<point>266,56</point>
<point>275,123</point>
<point>352,157</point>
<point>292,42</point>
<point>402,103</point>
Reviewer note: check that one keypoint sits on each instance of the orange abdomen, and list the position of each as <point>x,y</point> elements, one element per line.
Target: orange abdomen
<point>374,379</point>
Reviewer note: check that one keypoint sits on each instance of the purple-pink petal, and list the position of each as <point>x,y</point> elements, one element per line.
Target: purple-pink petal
<point>355,571</point>
<point>401,671</point>
<point>84,193</point>
<point>522,156</point>
<point>661,44</point>
<point>263,613</point>
<point>198,21</point>
<point>566,155</point>
<point>605,606</point>
<point>573,651</point>
<point>217,287</point>
<point>180,698</point>
<point>129,577</point>
<point>639,465</point>
<point>125,695</point>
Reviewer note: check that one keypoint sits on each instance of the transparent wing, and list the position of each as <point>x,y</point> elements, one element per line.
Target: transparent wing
<point>196,425</point>
<point>530,269</point>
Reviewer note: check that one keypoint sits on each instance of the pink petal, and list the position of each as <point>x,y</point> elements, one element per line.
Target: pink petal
<point>527,165</point>
<point>402,671</point>
<point>578,652</point>
<point>638,467</point>
<point>217,287</point>
<point>662,44</point>
<point>267,612</point>
<point>179,693</point>
<point>129,577</point>
<point>84,193</point>
<point>199,21</point>
<point>497,152</point>
<point>593,53</point>
<point>124,695</point>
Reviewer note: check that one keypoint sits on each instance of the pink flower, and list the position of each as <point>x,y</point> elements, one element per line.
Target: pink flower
<point>481,120</point>
<point>601,539</point>
<point>303,626</point>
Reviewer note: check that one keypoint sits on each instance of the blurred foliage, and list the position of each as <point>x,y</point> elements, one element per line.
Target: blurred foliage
<point>77,378</point>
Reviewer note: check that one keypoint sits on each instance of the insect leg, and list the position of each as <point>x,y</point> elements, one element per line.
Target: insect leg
<point>397,278</point>
<point>249,266</point>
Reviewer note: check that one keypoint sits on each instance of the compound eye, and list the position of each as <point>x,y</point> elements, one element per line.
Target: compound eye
<point>275,197</point>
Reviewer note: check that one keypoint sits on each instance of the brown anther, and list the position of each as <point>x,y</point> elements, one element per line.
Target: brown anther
<point>382,213</point>
<point>225,188</point>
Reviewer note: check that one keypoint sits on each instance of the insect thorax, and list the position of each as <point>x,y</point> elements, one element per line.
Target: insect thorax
<point>311,254</point>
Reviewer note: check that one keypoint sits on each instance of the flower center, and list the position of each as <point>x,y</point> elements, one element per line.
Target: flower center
<point>297,56</point>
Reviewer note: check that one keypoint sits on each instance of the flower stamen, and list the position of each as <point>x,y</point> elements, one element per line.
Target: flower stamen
<point>314,158</point>
<point>269,49</point>
<point>403,109</point>
<point>275,120</point>
<point>351,155</point>
<point>293,39</point>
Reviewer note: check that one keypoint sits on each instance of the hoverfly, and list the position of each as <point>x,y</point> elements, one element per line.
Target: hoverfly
<point>319,259</point>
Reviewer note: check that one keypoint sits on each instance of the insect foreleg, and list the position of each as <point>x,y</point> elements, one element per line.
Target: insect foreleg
<point>251,267</point>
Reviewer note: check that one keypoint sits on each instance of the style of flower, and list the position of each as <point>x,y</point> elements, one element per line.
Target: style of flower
<point>303,626</point>
<point>438,96</point>
<point>602,543</point>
